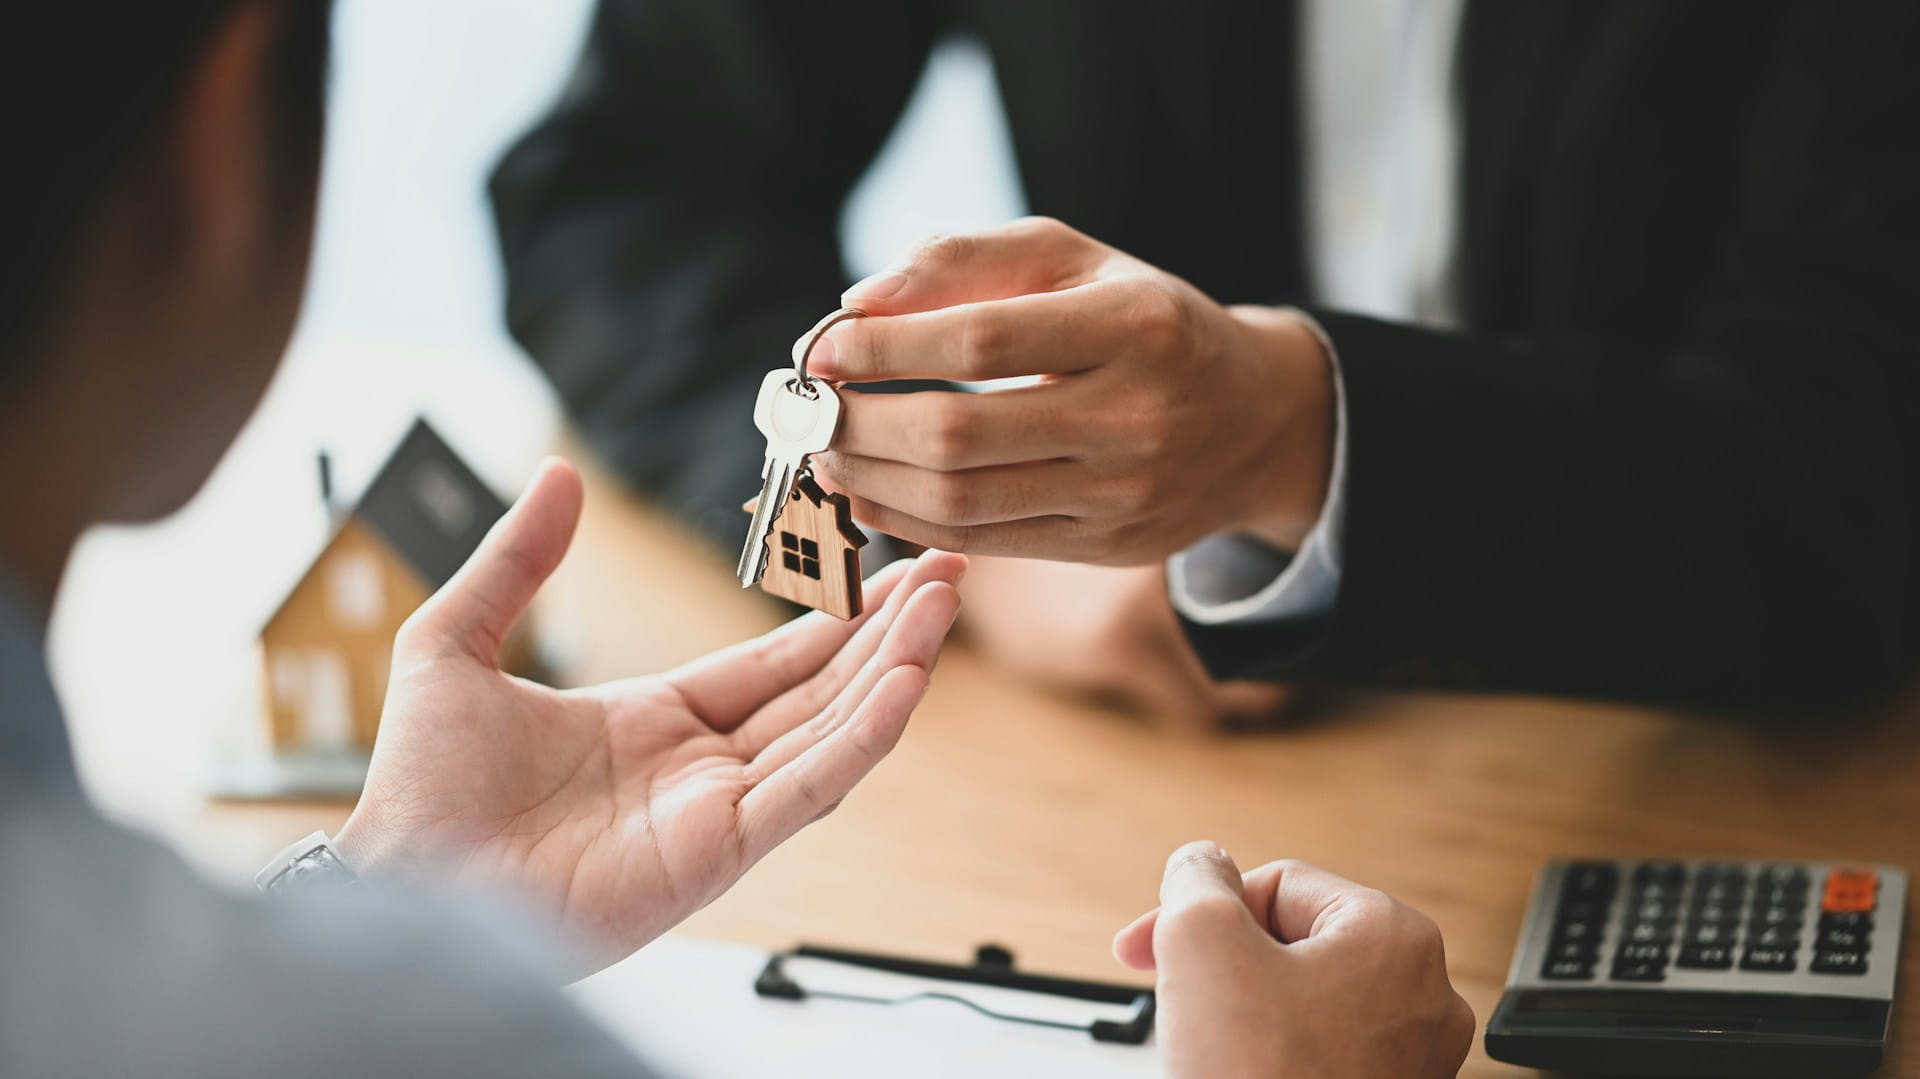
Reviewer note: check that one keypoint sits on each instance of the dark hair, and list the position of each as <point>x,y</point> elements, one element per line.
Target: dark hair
<point>85,88</point>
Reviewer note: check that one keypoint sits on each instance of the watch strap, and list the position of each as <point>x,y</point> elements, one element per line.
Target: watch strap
<point>307,865</point>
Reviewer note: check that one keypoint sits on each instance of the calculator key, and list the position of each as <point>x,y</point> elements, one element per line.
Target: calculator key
<point>1780,897</point>
<point>1842,939</point>
<point>1774,917</point>
<point>1573,949</point>
<point>1853,876</point>
<point>1768,959</point>
<point>1666,874</point>
<point>1838,961</point>
<point>1639,972</point>
<point>1848,901</point>
<point>1573,953</point>
<point>1576,931</point>
<point>1653,910</point>
<point>1730,875</point>
<point>1654,893</point>
<point>1600,879</point>
<point>1566,970</point>
<point>1710,933</point>
<point>1791,877</point>
<point>1725,915</point>
<point>1647,932</point>
<point>1855,919</point>
<point>1641,953</point>
<point>1582,910</point>
<point>1787,937</point>
<point>1851,890</point>
<point>1717,894</point>
<point>1706,956</point>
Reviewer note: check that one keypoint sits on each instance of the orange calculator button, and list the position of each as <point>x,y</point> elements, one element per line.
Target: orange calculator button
<point>1850,891</point>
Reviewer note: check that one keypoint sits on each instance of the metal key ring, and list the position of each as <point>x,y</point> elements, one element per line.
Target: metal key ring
<point>803,347</point>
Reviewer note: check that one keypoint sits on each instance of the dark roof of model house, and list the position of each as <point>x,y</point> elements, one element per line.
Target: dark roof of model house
<point>429,506</point>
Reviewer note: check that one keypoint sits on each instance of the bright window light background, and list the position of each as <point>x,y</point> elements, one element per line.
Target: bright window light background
<point>153,634</point>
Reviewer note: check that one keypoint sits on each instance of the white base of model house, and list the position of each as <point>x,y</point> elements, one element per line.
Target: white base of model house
<point>293,775</point>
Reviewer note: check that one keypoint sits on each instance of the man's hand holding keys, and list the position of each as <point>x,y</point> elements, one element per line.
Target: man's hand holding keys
<point>1159,416</point>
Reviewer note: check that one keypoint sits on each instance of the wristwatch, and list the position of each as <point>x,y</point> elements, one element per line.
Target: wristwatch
<point>309,865</point>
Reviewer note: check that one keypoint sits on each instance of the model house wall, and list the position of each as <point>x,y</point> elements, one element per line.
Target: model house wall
<point>328,649</point>
<point>813,552</point>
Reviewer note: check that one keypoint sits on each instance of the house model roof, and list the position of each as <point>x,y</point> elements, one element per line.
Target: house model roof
<point>842,513</point>
<point>429,506</point>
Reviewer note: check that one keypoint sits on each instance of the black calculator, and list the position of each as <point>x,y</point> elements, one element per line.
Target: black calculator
<point>1704,967</point>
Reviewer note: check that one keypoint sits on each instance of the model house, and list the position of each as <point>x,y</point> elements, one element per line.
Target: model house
<point>327,649</point>
<point>813,552</point>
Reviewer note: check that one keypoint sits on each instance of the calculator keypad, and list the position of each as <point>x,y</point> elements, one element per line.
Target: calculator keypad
<point>1669,915</point>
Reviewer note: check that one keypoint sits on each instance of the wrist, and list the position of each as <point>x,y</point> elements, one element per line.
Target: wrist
<point>362,845</point>
<point>1290,480</point>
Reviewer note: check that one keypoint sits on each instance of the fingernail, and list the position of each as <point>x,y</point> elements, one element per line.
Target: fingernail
<point>820,360</point>
<point>877,286</point>
<point>1187,852</point>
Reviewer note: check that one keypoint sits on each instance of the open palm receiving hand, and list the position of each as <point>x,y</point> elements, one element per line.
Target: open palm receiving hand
<point>625,807</point>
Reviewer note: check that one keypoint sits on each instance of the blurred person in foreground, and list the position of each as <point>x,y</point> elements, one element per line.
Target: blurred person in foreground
<point>161,219</point>
<point>1517,345</point>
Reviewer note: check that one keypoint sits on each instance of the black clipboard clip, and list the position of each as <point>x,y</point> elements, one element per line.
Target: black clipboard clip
<point>992,966</point>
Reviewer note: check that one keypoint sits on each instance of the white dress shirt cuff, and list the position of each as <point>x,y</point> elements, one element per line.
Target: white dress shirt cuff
<point>1229,577</point>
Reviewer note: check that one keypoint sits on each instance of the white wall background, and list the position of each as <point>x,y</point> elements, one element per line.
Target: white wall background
<point>152,636</point>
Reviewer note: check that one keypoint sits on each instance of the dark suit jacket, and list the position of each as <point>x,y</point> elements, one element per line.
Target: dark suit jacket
<point>1675,455</point>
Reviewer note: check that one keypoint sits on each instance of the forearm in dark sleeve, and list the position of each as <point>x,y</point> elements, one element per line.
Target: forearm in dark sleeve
<point>1728,521</point>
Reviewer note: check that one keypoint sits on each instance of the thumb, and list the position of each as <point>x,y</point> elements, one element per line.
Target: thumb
<point>1203,908</point>
<point>1033,254</point>
<point>1199,873</point>
<point>473,613</point>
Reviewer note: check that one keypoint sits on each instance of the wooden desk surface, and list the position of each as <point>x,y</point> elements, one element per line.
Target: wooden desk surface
<point>1040,823</point>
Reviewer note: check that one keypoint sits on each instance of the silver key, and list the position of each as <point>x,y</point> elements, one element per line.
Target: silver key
<point>798,415</point>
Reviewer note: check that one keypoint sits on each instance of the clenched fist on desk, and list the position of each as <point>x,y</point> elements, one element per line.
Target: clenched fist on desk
<point>1290,970</point>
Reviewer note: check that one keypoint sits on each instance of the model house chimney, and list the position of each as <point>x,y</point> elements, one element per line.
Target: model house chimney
<point>325,462</point>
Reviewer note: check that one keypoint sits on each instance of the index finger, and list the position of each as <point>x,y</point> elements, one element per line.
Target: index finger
<point>728,686</point>
<point>1294,900</point>
<point>1297,901</point>
<point>1048,333</point>
<point>852,665</point>
<point>952,430</point>
<point>803,776</point>
<point>1033,254</point>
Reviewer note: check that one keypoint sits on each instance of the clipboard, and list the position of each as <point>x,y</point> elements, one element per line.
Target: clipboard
<point>989,986</point>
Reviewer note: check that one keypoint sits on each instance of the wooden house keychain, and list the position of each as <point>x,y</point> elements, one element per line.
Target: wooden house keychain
<point>802,544</point>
